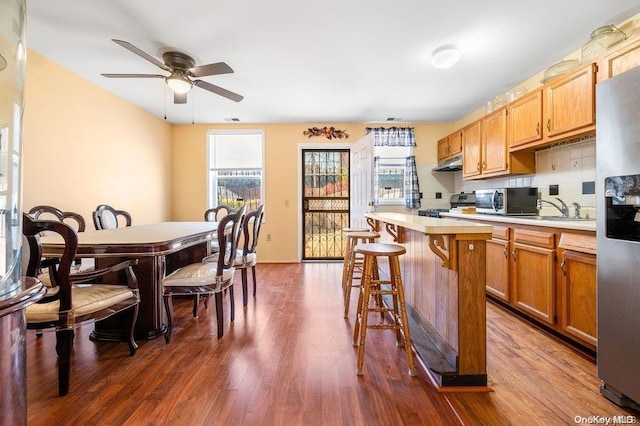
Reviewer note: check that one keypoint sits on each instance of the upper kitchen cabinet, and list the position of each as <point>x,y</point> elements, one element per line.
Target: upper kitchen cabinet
<point>472,150</point>
<point>485,149</point>
<point>561,109</point>
<point>569,104</point>
<point>450,146</point>
<point>494,143</point>
<point>525,119</point>
<point>620,60</point>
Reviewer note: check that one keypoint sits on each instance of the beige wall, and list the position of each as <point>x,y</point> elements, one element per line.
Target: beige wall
<point>282,207</point>
<point>84,146</point>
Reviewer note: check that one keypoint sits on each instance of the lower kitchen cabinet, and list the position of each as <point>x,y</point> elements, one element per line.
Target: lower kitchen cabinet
<point>578,289</point>
<point>547,274</point>
<point>533,273</point>
<point>498,255</point>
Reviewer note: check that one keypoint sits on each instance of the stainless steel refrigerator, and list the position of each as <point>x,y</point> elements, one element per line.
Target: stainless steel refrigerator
<point>618,236</point>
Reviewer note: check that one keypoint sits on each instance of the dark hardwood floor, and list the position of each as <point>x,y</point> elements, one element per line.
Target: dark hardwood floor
<point>288,359</point>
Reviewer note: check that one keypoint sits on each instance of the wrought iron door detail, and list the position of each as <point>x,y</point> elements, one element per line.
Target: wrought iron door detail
<point>325,203</point>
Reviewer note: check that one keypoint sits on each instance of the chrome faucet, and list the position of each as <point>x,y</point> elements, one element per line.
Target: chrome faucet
<point>577,210</point>
<point>562,208</point>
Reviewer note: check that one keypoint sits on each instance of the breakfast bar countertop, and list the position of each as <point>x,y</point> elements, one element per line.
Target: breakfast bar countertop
<point>431,225</point>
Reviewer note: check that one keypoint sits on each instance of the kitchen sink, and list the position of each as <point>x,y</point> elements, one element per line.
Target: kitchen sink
<point>563,218</point>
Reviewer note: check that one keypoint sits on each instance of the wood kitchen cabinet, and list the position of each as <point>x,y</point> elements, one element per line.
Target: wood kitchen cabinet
<point>533,273</point>
<point>577,312</point>
<point>485,146</point>
<point>525,119</point>
<point>561,109</point>
<point>569,104</point>
<point>494,143</point>
<point>450,146</point>
<point>547,274</point>
<point>485,149</point>
<point>498,255</point>
<point>623,58</point>
<point>471,148</point>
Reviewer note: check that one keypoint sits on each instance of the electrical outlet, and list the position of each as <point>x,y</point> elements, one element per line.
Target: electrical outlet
<point>575,163</point>
<point>286,203</point>
<point>268,237</point>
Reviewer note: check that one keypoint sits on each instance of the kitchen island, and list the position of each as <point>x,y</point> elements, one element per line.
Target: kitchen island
<point>443,272</point>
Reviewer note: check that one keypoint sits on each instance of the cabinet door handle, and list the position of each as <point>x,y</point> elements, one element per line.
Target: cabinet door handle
<point>564,271</point>
<point>513,254</point>
<point>484,165</point>
<point>548,124</point>
<point>478,166</point>
<point>506,252</point>
<point>538,128</point>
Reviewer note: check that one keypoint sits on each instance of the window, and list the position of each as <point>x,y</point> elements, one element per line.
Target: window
<point>235,168</point>
<point>390,171</point>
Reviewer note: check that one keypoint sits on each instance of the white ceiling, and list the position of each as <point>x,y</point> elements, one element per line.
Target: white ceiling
<point>326,61</point>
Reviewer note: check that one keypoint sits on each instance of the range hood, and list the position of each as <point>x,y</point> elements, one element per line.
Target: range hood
<point>450,165</point>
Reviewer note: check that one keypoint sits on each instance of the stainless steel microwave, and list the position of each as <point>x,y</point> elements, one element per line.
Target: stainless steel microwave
<point>508,201</point>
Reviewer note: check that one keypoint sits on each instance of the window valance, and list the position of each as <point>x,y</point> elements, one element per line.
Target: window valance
<point>392,136</point>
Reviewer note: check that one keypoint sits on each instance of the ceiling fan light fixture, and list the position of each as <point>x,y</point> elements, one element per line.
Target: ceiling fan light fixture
<point>445,56</point>
<point>178,83</point>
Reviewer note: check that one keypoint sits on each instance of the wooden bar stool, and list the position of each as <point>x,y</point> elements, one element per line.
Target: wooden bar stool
<point>370,286</point>
<point>346,251</point>
<point>353,263</point>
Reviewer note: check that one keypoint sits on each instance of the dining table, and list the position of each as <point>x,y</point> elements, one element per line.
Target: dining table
<point>160,248</point>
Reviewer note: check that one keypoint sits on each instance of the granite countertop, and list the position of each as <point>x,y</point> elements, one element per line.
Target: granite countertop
<point>581,225</point>
<point>431,225</point>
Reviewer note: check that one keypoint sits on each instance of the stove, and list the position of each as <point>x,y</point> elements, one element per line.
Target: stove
<point>456,200</point>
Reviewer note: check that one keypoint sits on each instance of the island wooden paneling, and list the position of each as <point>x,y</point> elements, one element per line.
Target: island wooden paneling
<point>447,305</point>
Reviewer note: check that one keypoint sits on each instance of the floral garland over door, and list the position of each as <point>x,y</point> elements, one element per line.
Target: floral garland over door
<point>328,132</point>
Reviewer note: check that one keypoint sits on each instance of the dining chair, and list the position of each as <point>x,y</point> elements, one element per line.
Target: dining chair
<point>106,217</point>
<point>216,213</point>
<point>44,212</point>
<point>77,222</point>
<point>204,279</point>
<point>246,257</point>
<point>79,300</point>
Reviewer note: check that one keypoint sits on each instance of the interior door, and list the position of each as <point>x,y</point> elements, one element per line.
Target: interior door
<point>361,181</point>
<point>325,202</point>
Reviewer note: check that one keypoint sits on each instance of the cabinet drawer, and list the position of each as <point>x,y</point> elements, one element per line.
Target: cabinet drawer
<point>501,232</point>
<point>578,242</point>
<point>536,238</point>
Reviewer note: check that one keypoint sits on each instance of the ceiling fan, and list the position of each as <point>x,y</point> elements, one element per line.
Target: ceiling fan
<point>182,69</point>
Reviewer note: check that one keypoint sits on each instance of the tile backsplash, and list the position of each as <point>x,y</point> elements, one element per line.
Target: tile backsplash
<point>571,167</point>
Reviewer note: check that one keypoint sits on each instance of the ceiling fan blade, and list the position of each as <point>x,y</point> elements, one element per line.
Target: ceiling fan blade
<point>130,47</point>
<point>133,75</point>
<point>218,90</point>
<point>179,98</point>
<point>210,69</point>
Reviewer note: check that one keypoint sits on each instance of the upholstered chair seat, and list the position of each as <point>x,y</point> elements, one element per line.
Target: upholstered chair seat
<point>199,274</point>
<point>242,260</point>
<point>87,299</point>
